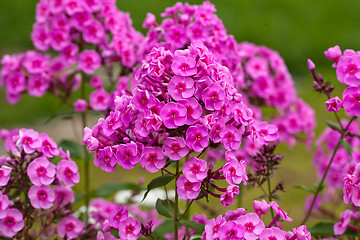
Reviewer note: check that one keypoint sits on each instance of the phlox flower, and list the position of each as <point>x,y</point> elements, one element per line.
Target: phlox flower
<point>273,233</point>
<point>301,233</point>
<point>261,207</point>
<point>351,100</point>
<point>67,172</point>
<point>230,230</point>
<point>89,61</point>
<point>11,223</point>
<point>251,226</point>
<point>80,105</point>
<point>37,85</point>
<point>28,140</point>
<point>195,169</point>
<point>333,54</point>
<point>4,204</point>
<point>99,99</point>
<point>63,195</point>
<point>181,87</point>
<point>197,137</point>
<point>264,132</point>
<point>281,212</point>
<point>227,198</point>
<point>184,66</point>
<point>118,216</point>
<point>49,146</point>
<point>173,115</point>
<point>41,196</point>
<point>127,155</point>
<point>187,189</point>
<point>41,171</point>
<point>213,97</point>
<point>231,137</point>
<point>193,110</point>
<point>106,159</point>
<point>4,175</point>
<point>175,148</point>
<point>152,159</point>
<point>348,69</point>
<point>71,227</point>
<point>235,171</point>
<point>130,229</point>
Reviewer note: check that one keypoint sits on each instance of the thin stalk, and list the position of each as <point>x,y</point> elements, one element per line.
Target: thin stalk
<point>270,198</point>
<point>319,188</point>
<point>187,209</point>
<point>176,204</point>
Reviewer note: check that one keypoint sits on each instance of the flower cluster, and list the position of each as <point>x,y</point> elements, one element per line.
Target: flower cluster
<point>239,224</point>
<point>30,172</point>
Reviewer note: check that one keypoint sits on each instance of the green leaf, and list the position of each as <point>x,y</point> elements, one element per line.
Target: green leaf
<point>158,182</point>
<point>346,145</point>
<point>333,125</point>
<point>322,229</point>
<point>305,188</point>
<point>73,147</point>
<point>317,184</point>
<point>163,207</point>
<point>193,225</point>
<point>61,114</point>
<point>109,189</point>
<point>166,227</point>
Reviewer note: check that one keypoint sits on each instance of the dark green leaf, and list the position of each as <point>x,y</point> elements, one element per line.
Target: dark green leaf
<point>193,225</point>
<point>109,189</point>
<point>322,229</point>
<point>277,197</point>
<point>305,188</point>
<point>346,145</point>
<point>60,114</point>
<point>333,125</point>
<point>73,147</point>
<point>163,207</point>
<point>166,227</point>
<point>78,197</point>
<point>158,182</point>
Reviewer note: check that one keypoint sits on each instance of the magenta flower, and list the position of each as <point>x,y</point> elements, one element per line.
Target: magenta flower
<point>242,113</point>
<point>93,32</point>
<point>231,137</point>
<point>235,171</point>
<point>348,69</point>
<point>71,227</point>
<point>4,204</point>
<point>279,211</point>
<point>89,61</point>
<point>63,195</point>
<point>106,159</point>
<point>49,147</point>
<point>212,227</point>
<point>193,110</point>
<point>333,54</point>
<point>99,99</point>
<point>333,104</point>
<point>351,100</point>
<point>195,169</point>
<point>40,37</point>
<point>181,87</point>
<point>118,216</point>
<point>175,148</point>
<point>345,218</point>
<point>41,171</point>
<point>28,140</point>
<point>273,233</point>
<point>130,229</point>
<point>176,35</point>
<point>230,231</point>
<point>67,172</point>
<point>11,223</point>
<point>184,66</point>
<point>173,115</point>
<point>264,132</point>
<point>59,39</point>
<point>80,105</point>
<point>127,155</point>
<point>187,189</point>
<point>257,66</point>
<point>213,97</point>
<point>73,6</point>
<point>251,225</point>
<point>152,159</point>
<point>41,196</point>
<point>15,83</point>
<point>197,137</point>
<point>302,233</point>
<point>227,198</point>
<point>261,207</point>
<point>37,85</point>
<point>4,175</point>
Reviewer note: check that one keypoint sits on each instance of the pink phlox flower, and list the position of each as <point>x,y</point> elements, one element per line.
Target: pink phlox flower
<point>273,233</point>
<point>73,6</point>
<point>118,216</point>
<point>99,99</point>
<point>41,196</point>
<point>264,132</point>
<point>41,171</point>
<point>348,69</point>
<point>63,195</point>
<point>37,85</point>
<point>195,169</point>
<point>173,115</point>
<point>71,227</point>
<point>187,189</point>
<point>93,32</point>
<point>35,63</point>
<point>128,155</point>
<point>333,54</point>
<point>176,35</point>
<point>89,61</point>
<point>28,140</point>
<point>197,137</point>
<point>11,223</point>
<point>175,148</point>
<point>301,233</point>
<point>4,175</point>
<point>261,207</point>
<point>230,230</point>
<point>67,172</point>
<point>231,137</point>
<point>152,159</point>
<point>242,114</point>
<point>235,171</point>
<point>184,66</point>
<point>80,105</point>
<point>111,123</point>
<point>227,198</point>
<point>49,146</point>
<point>351,100</point>
<point>234,214</point>
<point>130,229</point>
<point>59,39</point>
<point>256,67</point>
<point>88,139</point>
<point>251,226</point>
<point>213,97</point>
<point>279,211</point>
<point>212,227</point>
<point>333,104</point>
<point>143,99</point>
<point>181,87</point>
<point>4,204</point>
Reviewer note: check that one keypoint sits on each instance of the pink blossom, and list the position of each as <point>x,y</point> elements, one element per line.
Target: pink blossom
<point>99,100</point>
<point>4,175</point>
<point>175,148</point>
<point>227,198</point>
<point>152,159</point>
<point>93,32</point>
<point>41,196</point>
<point>184,66</point>
<point>15,83</point>
<point>261,207</point>
<point>128,155</point>
<point>176,35</point>
<point>130,229</point>
<point>230,230</point>
<point>351,100</point>
<point>273,233</point>
<point>28,140</point>
<point>173,115</point>
<point>301,233</point>
<point>193,110</point>
<point>213,97</point>
<point>35,63</point>
<point>40,36</point>
<point>195,169</point>
<point>70,53</point>
<point>80,105</point>
<point>96,82</point>
<point>231,137</point>
<point>264,132</point>
<point>4,204</point>
<point>11,223</point>
<point>89,61</point>
<point>348,69</point>
<point>41,171</point>
<point>71,227</point>
<point>63,195</point>
<point>73,6</point>
<point>118,216</point>
<point>67,172</point>
<point>149,21</point>
<point>181,87</point>
<point>251,225</point>
<point>49,147</point>
<point>333,104</point>
<point>257,67</point>
<point>333,54</point>
<point>37,85</point>
<point>59,39</point>
<point>212,227</point>
<point>197,137</point>
<point>235,171</point>
<point>187,189</point>
<point>279,211</point>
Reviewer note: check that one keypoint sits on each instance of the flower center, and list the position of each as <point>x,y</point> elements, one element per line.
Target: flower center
<point>41,171</point>
<point>9,221</point>
<point>42,195</point>
<point>69,227</point>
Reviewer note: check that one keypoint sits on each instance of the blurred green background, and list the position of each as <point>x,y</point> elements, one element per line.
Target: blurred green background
<point>296,29</point>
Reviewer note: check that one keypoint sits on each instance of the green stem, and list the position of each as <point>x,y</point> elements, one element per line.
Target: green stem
<point>270,198</point>
<point>187,209</point>
<point>320,186</point>
<point>176,204</point>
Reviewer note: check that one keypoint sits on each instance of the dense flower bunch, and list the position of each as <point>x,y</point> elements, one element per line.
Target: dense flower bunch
<point>33,187</point>
<point>239,224</point>
<point>87,36</point>
<point>184,102</point>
